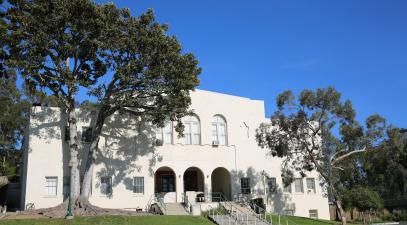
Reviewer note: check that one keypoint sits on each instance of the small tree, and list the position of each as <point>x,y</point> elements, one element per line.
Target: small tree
<point>317,131</point>
<point>363,199</point>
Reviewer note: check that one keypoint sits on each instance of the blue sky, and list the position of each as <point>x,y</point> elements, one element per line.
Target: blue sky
<point>258,49</point>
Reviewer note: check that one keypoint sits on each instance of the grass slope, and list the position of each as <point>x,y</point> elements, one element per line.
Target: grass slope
<point>154,220</point>
<point>115,220</point>
<point>302,221</point>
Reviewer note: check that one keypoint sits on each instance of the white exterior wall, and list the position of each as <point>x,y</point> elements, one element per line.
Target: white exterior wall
<point>126,154</point>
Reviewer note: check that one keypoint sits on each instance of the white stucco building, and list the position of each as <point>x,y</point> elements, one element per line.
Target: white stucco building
<point>218,153</point>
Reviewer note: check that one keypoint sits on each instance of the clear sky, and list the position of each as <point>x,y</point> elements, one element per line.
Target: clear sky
<point>260,48</point>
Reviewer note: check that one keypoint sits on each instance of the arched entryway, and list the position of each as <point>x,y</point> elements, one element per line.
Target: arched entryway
<point>194,180</point>
<point>221,182</point>
<point>165,184</point>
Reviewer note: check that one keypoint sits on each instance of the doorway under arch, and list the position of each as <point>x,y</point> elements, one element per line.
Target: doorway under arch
<point>221,182</point>
<point>194,180</point>
<point>164,180</point>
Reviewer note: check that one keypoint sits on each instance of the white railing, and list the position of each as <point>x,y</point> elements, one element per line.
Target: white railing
<point>231,214</point>
<point>187,204</point>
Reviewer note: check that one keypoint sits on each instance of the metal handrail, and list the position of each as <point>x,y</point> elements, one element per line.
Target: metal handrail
<point>149,203</point>
<point>237,214</point>
<point>160,201</point>
<point>187,203</point>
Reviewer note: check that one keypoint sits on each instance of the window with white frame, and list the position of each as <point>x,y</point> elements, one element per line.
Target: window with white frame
<point>310,185</point>
<point>138,185</point>
<point>51,186</point>
<point>287,188</point>
<point>272,184</point>
<point>313,213</point>
<point>192,130</point>
<point>164,134</point>
<point>106,185</point>
<point>245,185</point>
<point>298,185</point>
<point>219,130</point>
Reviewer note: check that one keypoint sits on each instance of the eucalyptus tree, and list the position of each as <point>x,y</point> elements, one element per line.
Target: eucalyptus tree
<point>152,79</point>
<point>316,131</point>
<point>130,64</point>
<point>56,46</point>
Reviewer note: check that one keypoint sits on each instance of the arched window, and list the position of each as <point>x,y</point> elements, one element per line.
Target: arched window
<point>164,134</point>
<point>192,130</point>
<point>219,130</point>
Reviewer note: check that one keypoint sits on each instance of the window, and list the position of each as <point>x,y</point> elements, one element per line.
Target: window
<point>67,136</point>
<point>86,134</point>
<point>287,188</point>
<point>272,184</point>
<point>106,186</point>
<point>164,134</point>
<point>245,185</point>
<point>313,213</point>
<point>192,130</point>
<point>51,184</point>
<point>310,185</point>
<point>138,185</point>
<point>298,185</point>
<point>219,131</point>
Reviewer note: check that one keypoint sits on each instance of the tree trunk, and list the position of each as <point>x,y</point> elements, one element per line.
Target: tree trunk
<point>342,213</point>
<point>90,161</point>
<point>73,154</point>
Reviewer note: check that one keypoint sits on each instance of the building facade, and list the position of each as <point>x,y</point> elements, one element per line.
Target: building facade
<point>217,154</point>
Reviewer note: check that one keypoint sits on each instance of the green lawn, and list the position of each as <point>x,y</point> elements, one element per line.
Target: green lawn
<point>153,220</point>
<point>292,220</point>
<point>116,220</point>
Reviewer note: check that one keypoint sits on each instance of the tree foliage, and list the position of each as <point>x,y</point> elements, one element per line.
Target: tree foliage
<point>317,131</point>
<point>362,198</point>
<point>13,121</point>
<point>129,64</point>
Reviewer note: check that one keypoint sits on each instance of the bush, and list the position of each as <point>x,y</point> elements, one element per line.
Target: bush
<point>396,215</point>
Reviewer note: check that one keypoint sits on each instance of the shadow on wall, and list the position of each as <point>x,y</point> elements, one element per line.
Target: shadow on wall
<point>279,202</point>
<point>125,139</point>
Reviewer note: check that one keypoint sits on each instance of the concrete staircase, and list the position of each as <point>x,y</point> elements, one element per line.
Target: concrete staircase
<point>175,209</point>
<point>237,214</point>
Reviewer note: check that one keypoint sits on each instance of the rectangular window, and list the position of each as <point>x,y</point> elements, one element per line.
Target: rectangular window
<point>298,185</point>
<point>310,185</point>
<point>245,185</point>
<point>287,188</point>
<point>67,136</point>
<point>106,186</point>
<point>272,184</point>
<point>167,133</point>
<point>313,213</point>
<point>164,134</point>
<point>196,138</point>
<point>187,134</point>
<point>86,134</point>
<point>138,185</point>
<point>215,133</point>
<point>222,134</point>
<point>51,184</point>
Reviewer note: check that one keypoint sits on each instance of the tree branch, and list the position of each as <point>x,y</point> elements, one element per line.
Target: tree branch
<point>347,155</point>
